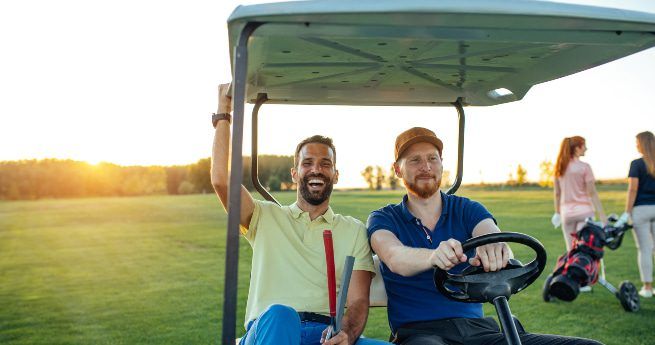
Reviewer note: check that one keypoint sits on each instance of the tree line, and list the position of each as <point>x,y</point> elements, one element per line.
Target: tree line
<point>377,178</point>
<point>59,178</point>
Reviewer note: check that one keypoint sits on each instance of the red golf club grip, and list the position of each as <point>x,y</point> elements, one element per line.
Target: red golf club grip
<point>329,260</point>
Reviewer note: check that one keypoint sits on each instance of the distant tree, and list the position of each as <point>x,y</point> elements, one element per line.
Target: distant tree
<point>521,175</point>
<point>392,179</point>
<point>380,177</point>
<point>274,165</point>
<point>274,183</point>
<point>200,177</point>
<point>175,175</point>
<point>268,166</point>
<point>547,171</point>
<point>106,180</point>
<point>140,180</point>
<point>56,178</point>
<point>510,180</point>
<point>185,187</point>
<point>369,177</point>
<point>12,192</point>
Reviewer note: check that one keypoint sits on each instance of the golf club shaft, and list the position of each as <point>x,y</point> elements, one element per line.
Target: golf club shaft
<point>342,298</point>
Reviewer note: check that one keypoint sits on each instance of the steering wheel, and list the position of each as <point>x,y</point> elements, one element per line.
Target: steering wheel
<point>474,285</point>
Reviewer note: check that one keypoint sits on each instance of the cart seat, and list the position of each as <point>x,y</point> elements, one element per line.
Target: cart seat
<point>378,295</point>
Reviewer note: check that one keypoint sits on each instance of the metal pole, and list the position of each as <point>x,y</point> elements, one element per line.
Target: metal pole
<point>254,171</point>
<point>460,147</point>
<point>234,192</point>
<point>506,321</point>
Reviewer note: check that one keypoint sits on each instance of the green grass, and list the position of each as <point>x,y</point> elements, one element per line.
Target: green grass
<point>150,270</point>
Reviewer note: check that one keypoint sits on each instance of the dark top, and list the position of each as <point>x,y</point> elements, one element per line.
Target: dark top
<point>414,299</point>
<point>646,188</point>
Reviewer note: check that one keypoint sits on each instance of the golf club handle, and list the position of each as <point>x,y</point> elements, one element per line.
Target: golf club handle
<point>506,321</point>
<point>331,280</point>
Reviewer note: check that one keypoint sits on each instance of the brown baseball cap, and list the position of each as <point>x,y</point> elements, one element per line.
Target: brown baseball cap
<point>416,135</point>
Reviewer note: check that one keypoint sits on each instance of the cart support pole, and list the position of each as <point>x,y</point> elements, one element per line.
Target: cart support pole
<point>460,147</point>
<point>234,192</point>
<point>254,167</point>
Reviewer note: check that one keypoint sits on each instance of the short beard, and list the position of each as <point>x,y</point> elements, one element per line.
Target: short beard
<point>422,192</point>
<point>315,198</point>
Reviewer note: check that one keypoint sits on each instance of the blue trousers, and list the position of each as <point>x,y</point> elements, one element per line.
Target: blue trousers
<point>280,324</point>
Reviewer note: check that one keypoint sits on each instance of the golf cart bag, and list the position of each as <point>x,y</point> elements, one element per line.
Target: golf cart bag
<point>579,266</point>
<point>582,265</point>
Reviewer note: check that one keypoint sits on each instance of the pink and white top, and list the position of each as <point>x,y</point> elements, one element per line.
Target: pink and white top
<point>575,201</point>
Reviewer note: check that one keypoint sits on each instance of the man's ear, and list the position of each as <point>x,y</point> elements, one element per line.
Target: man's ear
<point>294,175</point>
<point>336,176</point>
<point>396,170</point>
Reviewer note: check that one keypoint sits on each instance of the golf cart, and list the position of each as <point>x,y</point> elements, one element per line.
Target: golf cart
<point>411,53</point>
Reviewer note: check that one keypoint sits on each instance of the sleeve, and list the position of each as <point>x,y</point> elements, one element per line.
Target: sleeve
<point>634,169</point>
<point>379,220</point>
<point>474,213</point>
<point>362,251</point>
<point>250,233</point>
<point>588,174</point>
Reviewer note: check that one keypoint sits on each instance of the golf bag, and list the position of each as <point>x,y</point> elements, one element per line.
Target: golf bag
<point>580,266</point>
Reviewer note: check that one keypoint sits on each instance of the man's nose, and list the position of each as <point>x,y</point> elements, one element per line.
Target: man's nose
<point>426,166</point>
<point>315,168</point>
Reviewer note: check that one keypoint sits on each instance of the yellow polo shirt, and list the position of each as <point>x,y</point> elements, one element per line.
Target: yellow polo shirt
<point>288,261</point>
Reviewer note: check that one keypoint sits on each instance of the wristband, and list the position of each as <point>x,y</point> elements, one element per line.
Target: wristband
<point>221,116</point>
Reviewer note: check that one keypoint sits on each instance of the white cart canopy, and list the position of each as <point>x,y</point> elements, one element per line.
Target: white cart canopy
<point>426,52</point>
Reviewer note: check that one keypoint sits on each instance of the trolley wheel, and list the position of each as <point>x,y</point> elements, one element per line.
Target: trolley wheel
<point>628,296</point>
<point>546,290</point>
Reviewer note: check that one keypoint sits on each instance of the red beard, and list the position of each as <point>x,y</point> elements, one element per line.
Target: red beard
<point>424,192</point>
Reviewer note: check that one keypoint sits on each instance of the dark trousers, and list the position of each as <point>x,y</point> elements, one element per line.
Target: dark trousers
<point>484,331</point>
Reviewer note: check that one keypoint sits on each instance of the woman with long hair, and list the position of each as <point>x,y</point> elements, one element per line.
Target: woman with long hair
<point>640,204</point>
<point>576,198</point>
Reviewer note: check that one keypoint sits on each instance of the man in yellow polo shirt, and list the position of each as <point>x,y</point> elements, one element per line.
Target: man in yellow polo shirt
<point>288,298</point>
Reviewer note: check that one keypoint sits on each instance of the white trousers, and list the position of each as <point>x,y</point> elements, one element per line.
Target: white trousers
<point>643,220</point>
<point>571,225</point>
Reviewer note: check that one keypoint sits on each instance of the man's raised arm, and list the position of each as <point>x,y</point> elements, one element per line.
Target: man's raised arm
<point>221,155</point>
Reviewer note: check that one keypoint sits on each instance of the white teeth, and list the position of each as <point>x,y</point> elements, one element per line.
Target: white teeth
<point>316,181</point>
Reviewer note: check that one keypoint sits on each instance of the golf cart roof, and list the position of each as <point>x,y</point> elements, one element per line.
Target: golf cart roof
<point>425,52</point>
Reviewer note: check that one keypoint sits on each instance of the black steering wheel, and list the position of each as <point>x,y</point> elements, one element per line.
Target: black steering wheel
<point>474,285</point>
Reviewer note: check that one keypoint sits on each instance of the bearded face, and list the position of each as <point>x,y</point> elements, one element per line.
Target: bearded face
<point>315,188</point>
<point>420,169</point>
<point>315,174</point>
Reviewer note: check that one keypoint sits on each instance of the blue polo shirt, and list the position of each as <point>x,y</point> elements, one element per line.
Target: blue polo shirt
<point>414,299</point>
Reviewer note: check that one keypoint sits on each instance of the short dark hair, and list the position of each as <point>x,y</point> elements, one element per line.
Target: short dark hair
<point>314,139</point>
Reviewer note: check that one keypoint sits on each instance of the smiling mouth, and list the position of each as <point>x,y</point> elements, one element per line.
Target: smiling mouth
<point>316,183</point>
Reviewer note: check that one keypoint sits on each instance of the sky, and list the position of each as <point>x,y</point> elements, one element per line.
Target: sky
<point>134,83</point>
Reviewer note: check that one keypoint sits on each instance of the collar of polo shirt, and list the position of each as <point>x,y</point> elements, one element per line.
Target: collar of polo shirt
<point>296,212</point>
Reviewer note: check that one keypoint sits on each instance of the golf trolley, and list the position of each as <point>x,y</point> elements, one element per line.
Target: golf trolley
<point>583,265</point>
<point>405,53</point>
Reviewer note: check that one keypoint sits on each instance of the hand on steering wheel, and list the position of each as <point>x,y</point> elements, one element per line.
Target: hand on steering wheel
<point>492,256</point>
<point>475,285</point>
<point>449,254</point>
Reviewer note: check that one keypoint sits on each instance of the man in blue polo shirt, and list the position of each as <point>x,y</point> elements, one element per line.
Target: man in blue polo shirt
<point>427,229</point>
